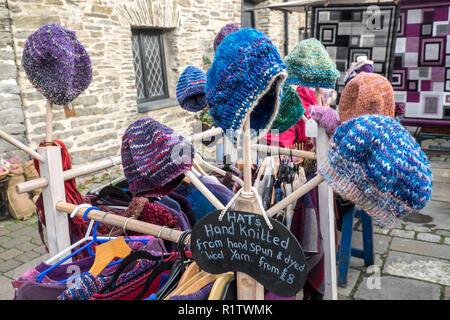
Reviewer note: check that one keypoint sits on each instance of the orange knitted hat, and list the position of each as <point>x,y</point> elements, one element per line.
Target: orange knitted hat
<point>367,93</point>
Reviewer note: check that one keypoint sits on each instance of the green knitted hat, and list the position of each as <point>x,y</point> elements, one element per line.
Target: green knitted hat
<point>310,65</point>
<point>291,110</point>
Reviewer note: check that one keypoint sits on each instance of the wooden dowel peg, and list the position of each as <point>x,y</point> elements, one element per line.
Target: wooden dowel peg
<point>21,146</point>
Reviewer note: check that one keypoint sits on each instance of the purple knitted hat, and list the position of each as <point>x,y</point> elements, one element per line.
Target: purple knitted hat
<point>56,63</point>
<point>154,158</point>
<point>226,30</point>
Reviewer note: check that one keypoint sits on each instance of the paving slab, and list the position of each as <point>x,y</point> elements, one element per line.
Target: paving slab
<point>352,278</point>
<point>430,237</point>
<point>417,267</point>
<point>447,293</point>
<point>421,248</point>
<point>439,211</point>
<point>440,191</point>
<point>395,288</point>
<point>402,233</point>
<point>20,270</point>
<point>7,291</point>
<point>380,242</point>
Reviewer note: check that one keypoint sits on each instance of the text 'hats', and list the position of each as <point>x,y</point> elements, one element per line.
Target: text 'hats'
<point>191,89</point>
<point>154,158</point>
<point>245,79</point>
<point>310,65</point>
<point>375,162</point>
<point>56,63</point>
<point>367,93</point>
<point>290,111</point>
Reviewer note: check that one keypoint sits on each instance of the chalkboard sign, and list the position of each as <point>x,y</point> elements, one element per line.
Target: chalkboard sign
<point>242,242</point>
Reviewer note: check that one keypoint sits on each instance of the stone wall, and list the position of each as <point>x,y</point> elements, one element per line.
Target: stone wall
<point>109,105</point>
<point>12,118</point>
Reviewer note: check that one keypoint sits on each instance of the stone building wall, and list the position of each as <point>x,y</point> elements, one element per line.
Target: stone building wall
<point>109,105</point>
<point>11,114</point>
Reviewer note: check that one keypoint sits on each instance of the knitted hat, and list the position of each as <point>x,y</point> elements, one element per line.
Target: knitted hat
<point>310,65</point>
<point>56,63</point>
<point>154,158</point>
<point>375,162</point>
<point>362,64</point>
<point>291,110</point>
<point>245,78</point>
<point>191,89</point>
<point>226,30</point>
<point>367,93</point>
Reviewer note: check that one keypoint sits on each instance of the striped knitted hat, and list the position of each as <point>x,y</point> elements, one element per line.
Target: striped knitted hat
<point>191,89</point>
<point>56,63</point>
<point>367,93</point>
<point>375,162</point>
<point>154,158</point>
<point>245,78</point>
<point>291,110</point>
<point>310,65</point>
<point>223,32</point>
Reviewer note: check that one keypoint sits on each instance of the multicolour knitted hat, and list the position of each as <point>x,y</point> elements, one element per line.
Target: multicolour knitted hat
<point>154,158</point>
<point>362,64</point>
<point>367,93</point>
<point>310,65</point>
<point>291,110</point>
<point>223,32</point>
<point>56,63</point>
<point>245,79</point>
<point>191,89</point>
<point>375,162</point>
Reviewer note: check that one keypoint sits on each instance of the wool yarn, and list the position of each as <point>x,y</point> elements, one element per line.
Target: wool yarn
<point>374,162</point>
<point>56,63</point>
<point>291,110</point>
<point>310,65</point>
<point>223,32</point>
<point>328,118</point>
<point>191,89</point>
<point>154,158</point>
<point>367,93</point>
<point>245,79</point>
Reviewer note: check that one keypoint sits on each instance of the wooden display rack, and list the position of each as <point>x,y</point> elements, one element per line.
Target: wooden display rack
<point>57,209</point>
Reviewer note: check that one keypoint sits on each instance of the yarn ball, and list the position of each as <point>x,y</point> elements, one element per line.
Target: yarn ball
<point>154,158</point>
<point>291,110</point>
<point>310,65</point>
<point>374,162</point>
<point>190,89</point>
<point>56,63</point>
<point>223,32</point>
<point>245,79</point>
<point>367,93</point>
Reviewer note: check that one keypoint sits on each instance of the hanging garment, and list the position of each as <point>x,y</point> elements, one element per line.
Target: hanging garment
<point>201,294</point>
<point>296,134</point>
<point>185,205</point>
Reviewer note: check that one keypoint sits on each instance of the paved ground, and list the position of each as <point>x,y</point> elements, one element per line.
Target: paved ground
<point>412,261</point>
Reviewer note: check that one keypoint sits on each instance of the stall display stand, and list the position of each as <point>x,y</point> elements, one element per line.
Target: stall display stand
<point>56,208</point>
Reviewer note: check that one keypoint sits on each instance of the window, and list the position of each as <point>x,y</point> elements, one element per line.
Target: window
<point>248,17</point>
<point>149,65</point>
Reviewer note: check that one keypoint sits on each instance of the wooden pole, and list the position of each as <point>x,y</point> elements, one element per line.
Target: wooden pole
<point>49,123</point>
<point>119,221</point>
<point>204,190</point>
<point>284,151</point>
<point>247,287</point>
<point>327,220</point>
<point>21,146</point>
<point>57,226</point>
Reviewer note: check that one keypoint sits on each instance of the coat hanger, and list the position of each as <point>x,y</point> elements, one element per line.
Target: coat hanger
<point>195,283</point>
<point>93,225</point>
<point>219,286</point>
<point>106,252</point>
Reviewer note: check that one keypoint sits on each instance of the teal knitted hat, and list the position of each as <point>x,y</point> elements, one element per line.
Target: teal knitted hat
<point>310,65</point>
<point>291,110</point>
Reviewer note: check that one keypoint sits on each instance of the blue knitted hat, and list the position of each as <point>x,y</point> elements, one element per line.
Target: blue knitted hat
<point>245,79</point>
<point>191,89</point>
<point>375,162</point>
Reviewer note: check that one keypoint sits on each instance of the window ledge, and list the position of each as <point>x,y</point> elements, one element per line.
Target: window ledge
<point>157,104</point>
